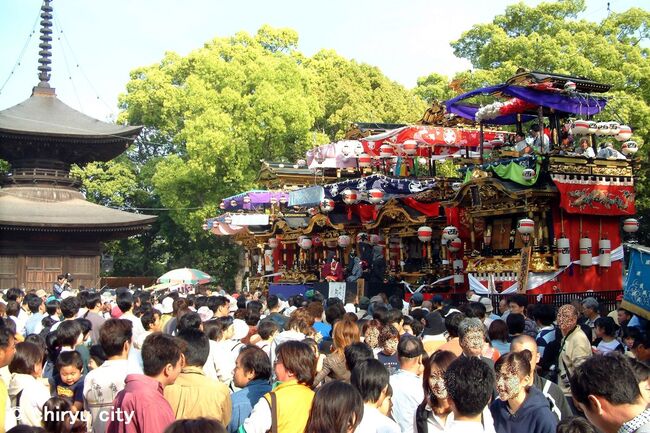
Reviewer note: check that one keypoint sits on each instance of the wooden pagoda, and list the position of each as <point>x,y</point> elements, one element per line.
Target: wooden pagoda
<point>46,225</point>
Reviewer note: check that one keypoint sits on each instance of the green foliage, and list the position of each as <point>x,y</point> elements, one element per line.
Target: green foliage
<point>348,92</point>
<point>434,87</point>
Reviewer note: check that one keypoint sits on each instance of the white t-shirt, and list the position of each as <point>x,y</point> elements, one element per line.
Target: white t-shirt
<point>374,421</point>
<point>407,396</point>
<point>607,347</point>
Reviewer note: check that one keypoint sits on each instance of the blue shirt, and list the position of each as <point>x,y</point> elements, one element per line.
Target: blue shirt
<point>244,400</point>
<point>322,328</point>
<point>33,321</point>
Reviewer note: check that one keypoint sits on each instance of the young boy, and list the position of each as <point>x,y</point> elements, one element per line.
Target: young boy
<point>267,330</point>
<point>69,382</point>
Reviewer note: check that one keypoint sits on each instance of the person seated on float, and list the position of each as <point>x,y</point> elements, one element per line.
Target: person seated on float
<point>585,149</point>
<point>607,151</point>
<point>539,144</point>
<point>522,145</point>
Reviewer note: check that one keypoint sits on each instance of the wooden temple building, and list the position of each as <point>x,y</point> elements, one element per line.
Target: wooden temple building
<point>536,217</point>
<point>47,227</point>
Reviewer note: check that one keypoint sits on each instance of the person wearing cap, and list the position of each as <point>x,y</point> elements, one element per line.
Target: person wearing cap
<point>166,308</point>
<point>437,302</point>
<point>489,309</point>
<point>364,304</point>
<point>415,303</point>
<point>407,382</point>
<point>433,335</point>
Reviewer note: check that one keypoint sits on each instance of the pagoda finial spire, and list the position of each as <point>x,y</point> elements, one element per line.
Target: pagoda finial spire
<point>45,46</point>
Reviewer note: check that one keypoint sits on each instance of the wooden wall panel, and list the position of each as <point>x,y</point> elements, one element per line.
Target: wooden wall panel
<point>85,271</point>
<point>41,271</point>
<point>8,271</point>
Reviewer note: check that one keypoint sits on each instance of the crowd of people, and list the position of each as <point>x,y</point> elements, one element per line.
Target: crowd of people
<point>245,363</point>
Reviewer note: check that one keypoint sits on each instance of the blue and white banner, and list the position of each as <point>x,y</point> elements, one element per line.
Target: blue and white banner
<point>636,292</point>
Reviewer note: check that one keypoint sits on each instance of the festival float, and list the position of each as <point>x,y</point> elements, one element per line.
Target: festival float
<point>518,217</point>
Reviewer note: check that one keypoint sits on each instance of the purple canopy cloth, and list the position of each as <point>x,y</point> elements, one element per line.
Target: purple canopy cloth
<point>574,103</point>
<point>255,199</point>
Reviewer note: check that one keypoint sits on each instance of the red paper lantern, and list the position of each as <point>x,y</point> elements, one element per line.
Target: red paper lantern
<point>375,195</point>
<point>424,233</point>
<point>386,151</point>
<point>349,196</point>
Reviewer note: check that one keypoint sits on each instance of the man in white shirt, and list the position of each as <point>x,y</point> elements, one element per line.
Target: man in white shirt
<point>470,384</point>
<point>407,382</point>
<point>125,304</point>
<point>371,379</point>
<point>102,384</point>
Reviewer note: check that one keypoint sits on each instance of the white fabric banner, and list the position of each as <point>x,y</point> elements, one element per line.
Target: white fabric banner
<point>439,280</point>
<point>250,219</point>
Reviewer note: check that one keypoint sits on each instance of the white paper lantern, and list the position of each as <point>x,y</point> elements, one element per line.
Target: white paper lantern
<point>593,127</point>
<point>375,195</point>
<point>358,149</point>
<point>306,244</point>
<point>570,86</point>
<point>526,226</point>
<point>604,253</point>
<point>350,196</point>
<point>273,243</point>
<point>365,160</point>
<point>343,241</point>
<point>424,233</point>
<point>455,245</point>
<point>345,150</point>
<point>362,237</point>
<point>327,205</point>
<point>585,252</point>
<point>603,128</point>
<point>410,147</point>
<point>233,203</point>
<point>624,133</point>
<point>580,127</point>
<point>449,232</point>
<point>629,148</point>
<point>614,128</point>
<point>563,252</point>
<point>386,151</point>
<point>528,174</point>
<point>631,225</point>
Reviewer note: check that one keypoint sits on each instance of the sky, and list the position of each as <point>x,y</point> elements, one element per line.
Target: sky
<point>97,43</point>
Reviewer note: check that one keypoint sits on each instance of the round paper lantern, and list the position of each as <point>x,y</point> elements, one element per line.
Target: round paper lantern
<point>570,86</point>
<point>386,151</point>
<point>362,237</point>
<point>375,195</point>
<point>528,174</point>
<point>358,149</point>
<point>631,225</point>
<point>593,127</point>
<point>603,128</point>
<point>301,162</point>
<point>410,147</point>
<point>629,148</point>
<point>300,239</point>
<point>455,245</point>
<point>585,252</point>
<point>317,241</point>
<point>345,150</point>
<point>624,133</point>
<point>614,128</point>
<point>327,205</point>
<point>273,243</point>
<point>563,251</point>
<point>306,244</point>
<point>233,203</point>
<point>580,127</point>
<point>424,234</point>
<point>526,226</point>
<point>349,196</point>
<point>365,160</point>
<point>605,253</point>
<point>449,232</point>
<point>343,241</point>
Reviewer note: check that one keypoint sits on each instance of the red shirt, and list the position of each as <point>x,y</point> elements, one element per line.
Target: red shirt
<point>143,398</point>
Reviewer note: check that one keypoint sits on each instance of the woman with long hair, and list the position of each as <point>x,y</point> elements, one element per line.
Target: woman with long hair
<point>521,407</point>
<point>337,408</point>
<point>345,332</point>
<point>286,409</point>
<point>26,390</point>
<point>434,413</point>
